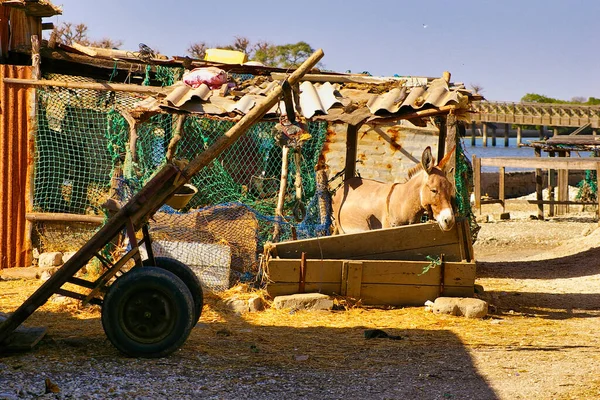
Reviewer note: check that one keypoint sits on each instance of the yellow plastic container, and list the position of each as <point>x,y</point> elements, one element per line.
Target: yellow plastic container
<point>225,56</point>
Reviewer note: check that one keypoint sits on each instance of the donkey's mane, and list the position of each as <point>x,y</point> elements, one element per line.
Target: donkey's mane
<point>414,170</point>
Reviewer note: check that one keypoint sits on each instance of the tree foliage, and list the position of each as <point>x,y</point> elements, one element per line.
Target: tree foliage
<point>285,56</point>
<point>540,98</point>
<point>67,33</point>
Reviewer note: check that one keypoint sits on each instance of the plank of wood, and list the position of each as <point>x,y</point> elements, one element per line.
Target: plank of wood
<point>543,163</point>
<point>411,273</point>
<point>280,270</point>
<point>412,241</point>
<point>284,289</point>
<point>23,338</point>
<point>354,282</point>
<point>116,87</point>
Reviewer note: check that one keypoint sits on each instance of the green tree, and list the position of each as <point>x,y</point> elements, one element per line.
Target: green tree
<point>284,56</point>
<point>539,98</point>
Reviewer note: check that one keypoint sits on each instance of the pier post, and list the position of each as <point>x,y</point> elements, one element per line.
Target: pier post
<point>555,131</point>
<point>484,138</point>
<point>473,130</point>
<point>506,129</point>
<point>494,135</point>
<point>542,135</point>
<point>519,134</point>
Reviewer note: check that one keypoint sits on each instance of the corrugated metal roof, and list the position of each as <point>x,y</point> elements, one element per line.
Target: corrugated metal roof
<point>345,101</point>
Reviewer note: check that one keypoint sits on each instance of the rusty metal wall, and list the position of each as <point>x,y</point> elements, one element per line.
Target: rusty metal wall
<point>384,152</point>
<point>15,109</point>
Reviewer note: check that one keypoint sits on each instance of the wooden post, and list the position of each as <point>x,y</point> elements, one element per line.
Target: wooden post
<point>519,134</point>
<point>501,190</point>
<point>494,135</point>
<point>597,195</point>
<point>177,135</point>
<point>451,124</point>
<point>563,186</point>
<point>477,181</point>
<point>551,185</point>
<point>555,131</point>
<point>542,134</point>
<point>538,186</point>
<point>31,139</point>
<point>282,189</point>
<point>442,126</point>
<point>484,138</point>
<point>351,148</point>
<point>473,130</point>
<point>506,133</point>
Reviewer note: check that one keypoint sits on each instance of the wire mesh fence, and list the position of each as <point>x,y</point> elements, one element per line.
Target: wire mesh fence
<point>86,152</point>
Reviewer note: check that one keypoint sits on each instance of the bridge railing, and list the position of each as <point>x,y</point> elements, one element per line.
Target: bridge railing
<point>549,114</point>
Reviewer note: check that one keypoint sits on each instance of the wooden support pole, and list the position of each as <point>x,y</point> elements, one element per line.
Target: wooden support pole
<point>442,126</point>
<point>597,195</point>
<point>501,188</point>
<point>542,133</point>
<point>519,134</point>
<point>450,144</point>
<point>477,181</point>
<point>31,139</point>
<point>506,134</point>
<point>551,185</point>
<point>493,135</point>
<point>555,131</point>
<point>538,186</point>
<point>473,132</point>
<point>351,148</point>
<point>114,87</point>
<point>282,189</point>
<point>177,135</point>
<point>485,134</point>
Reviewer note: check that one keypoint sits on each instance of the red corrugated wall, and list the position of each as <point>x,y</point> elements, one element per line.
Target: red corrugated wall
<point>15,109</point>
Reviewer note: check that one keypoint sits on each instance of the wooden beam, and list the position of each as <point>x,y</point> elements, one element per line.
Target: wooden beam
<point>115,87</point>
<point>64,217</point>
<point>351,149</point>
<point>544,163</point>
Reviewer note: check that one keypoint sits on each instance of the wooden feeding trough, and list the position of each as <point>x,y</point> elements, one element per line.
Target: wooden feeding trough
<point>402,266</point>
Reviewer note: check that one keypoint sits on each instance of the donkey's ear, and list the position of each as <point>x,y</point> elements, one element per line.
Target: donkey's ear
<point>427,160</point>
<point>446,158</point>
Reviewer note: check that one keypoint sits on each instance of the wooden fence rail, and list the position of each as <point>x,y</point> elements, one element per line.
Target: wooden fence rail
<point>562,164</point>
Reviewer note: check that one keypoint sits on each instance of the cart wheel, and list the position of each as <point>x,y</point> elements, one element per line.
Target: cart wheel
<point>188,277</point>
<point>148,312</point>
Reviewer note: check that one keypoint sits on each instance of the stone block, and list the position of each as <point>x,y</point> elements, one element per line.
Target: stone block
<point>306,301</point>
<point>461,306</point>
<point>52,259</point>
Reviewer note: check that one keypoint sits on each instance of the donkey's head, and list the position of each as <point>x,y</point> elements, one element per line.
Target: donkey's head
<point>437,190</point>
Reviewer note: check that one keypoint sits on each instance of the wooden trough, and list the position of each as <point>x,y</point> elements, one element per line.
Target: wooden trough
<point>380,267</point>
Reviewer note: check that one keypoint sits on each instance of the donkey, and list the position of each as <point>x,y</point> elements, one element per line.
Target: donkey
<point>362,204</point>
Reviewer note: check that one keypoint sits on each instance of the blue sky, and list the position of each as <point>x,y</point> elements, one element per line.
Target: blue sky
<point>509,47</point>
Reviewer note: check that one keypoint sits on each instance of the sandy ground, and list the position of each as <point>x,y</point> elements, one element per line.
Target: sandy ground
<point>540,341</point>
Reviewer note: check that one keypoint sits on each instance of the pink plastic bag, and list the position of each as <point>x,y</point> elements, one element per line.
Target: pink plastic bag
<point>213,77</point>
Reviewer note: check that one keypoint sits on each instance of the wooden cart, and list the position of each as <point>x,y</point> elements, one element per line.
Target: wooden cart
<point>150,310</point>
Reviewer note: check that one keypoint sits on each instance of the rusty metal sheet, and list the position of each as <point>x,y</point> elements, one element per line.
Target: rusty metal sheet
<point>15,155</point>
<point>384,152</point>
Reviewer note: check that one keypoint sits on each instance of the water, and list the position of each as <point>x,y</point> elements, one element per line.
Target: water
<point>500,151</point>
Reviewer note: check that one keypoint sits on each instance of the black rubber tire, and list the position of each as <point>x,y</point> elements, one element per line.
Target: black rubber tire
<point>148,312</point>
<point>188,277</point>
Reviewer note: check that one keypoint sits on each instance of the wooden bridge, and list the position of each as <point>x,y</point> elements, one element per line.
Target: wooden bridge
<point>546,114</point>
<point>551,115</point>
